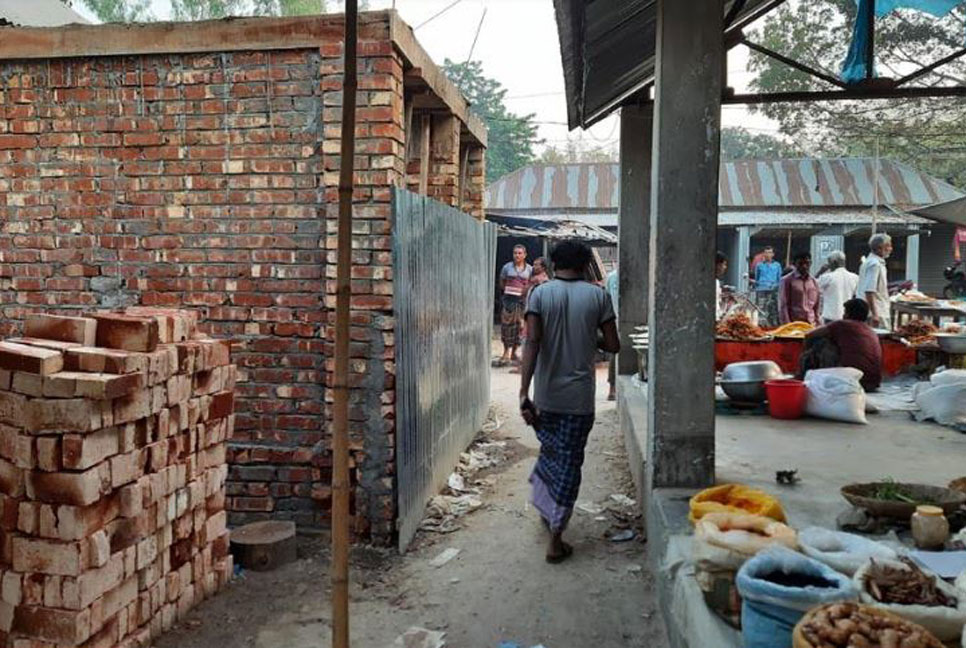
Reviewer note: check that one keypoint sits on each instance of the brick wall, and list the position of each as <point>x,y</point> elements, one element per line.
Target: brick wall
<point>209,181</point>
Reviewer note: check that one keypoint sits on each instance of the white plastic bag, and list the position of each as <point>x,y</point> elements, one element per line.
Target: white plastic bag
<point>945,404</point>
<point>948,377</point>
<point>843,552</point>
<point>835,394</point>
<point>727,540</point>
<point>944,622</point>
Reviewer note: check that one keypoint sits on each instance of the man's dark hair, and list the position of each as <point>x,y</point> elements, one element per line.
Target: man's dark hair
<point>719,257</point>
<point>801,255</point>
<point>856,309</point>
<point>767,248</point>
<point>571,255</point>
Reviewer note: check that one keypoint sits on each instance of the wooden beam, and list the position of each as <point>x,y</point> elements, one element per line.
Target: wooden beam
<point>425,132</point>
<point>409,130</point>
<point>417,58</point>
<point>464,168</point>
<point>225,35</point>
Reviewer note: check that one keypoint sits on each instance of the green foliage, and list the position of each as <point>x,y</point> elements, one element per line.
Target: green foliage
<point>578,150</point>
<point>108,11</point>
<point>139,10</point>
<point>741,144</point>
<point>927,133</point>
<point>511,137</point>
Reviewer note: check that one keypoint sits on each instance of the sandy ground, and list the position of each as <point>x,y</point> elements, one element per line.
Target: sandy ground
<point>497,589</point>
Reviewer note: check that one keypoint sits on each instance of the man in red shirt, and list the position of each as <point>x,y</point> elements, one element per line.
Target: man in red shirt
<point>799,297</point>
<point>848,342</point>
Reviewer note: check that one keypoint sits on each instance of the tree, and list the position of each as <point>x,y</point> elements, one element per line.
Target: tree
<point>139,10</point>
<point>927,133</point>
<point>510,137</point>
<point>578,150</point>
<point>741,144</point>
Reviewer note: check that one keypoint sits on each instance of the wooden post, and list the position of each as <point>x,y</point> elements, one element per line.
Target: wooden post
<point>425,132</point>
<point>788,251</point>
<point>464,169</point>
<point>340,408</point>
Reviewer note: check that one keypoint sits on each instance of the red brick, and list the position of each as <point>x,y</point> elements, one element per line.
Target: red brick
<point>127,333</point>
<point>81,330</point>
<point>61,415</point>
<point>75,489</point>
<point>58,626</point>
<point>21,357</point>
<point>90,359</point>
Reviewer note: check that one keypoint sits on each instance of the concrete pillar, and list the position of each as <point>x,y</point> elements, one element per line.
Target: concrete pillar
<point>744,253</point>
<point>637,127</point>
<point>684,213</point>
<point>912,258</point>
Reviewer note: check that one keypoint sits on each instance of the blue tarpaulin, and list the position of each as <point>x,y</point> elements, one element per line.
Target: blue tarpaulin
<point>856,64</point>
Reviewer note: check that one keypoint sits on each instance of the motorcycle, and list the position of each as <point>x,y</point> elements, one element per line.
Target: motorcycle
<point>956,276</point>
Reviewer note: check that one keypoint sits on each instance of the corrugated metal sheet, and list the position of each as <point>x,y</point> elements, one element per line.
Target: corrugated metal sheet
<point>846,182</point>
<point>443,326</point>
<point>607,49</point>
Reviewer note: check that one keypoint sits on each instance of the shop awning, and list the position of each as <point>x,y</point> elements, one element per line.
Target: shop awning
<point>952,212</point>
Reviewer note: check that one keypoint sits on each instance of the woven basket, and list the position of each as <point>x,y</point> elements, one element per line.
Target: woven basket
<point>799,640</point>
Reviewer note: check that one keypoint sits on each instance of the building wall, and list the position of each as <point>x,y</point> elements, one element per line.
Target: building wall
<point>935,253</point>
<point>210,181</point>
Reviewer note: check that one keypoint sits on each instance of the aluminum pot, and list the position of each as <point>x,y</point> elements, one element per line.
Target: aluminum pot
<point>951,343</point>
<point>745,391</point>
<point>757,370</point>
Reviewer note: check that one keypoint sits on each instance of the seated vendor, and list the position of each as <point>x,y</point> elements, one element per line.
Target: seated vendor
<point>849,342</point>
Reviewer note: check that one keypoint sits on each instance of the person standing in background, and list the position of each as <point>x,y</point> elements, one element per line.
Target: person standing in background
<point>720,268</point>
<point>514,284</point>
<point>799,298</point>
<point>612,285</point>
<point>767,276</point>
<point>837,285</point>
<point>874,281</point>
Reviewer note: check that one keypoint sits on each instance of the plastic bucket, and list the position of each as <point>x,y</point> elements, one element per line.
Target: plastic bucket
<point>786,398</point>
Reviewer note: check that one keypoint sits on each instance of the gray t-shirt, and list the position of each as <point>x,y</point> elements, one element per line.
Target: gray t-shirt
<point>571,313</point>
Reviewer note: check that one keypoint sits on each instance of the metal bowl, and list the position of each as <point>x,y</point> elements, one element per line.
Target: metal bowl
<point>951,342</point>
<point>745,391</point>
<point>755,371</point>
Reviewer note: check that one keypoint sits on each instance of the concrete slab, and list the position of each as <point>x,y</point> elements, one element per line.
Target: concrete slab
<point>749,449</point>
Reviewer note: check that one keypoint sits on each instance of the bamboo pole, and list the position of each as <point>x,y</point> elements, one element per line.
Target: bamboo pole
<point>340,409</point>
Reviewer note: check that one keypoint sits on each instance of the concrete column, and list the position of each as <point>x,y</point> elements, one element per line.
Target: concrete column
<point>637,127</point>
<point>912,258</point>
<point>741,262</point>
<point>684,213</point>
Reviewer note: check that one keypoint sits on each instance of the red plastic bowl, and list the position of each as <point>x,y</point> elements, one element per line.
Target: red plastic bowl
<point>786,398</point>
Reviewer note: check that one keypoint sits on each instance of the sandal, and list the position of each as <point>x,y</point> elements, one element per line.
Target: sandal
<point>556,559</point>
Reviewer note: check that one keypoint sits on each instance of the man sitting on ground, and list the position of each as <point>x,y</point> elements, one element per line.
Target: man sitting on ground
<point>849,342</point>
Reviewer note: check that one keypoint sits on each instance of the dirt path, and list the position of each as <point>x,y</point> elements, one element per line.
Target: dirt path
<point>497,589</point>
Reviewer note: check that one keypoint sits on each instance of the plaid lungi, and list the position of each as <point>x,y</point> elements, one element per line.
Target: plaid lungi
<point>511,321</point>
<point>556,477</point>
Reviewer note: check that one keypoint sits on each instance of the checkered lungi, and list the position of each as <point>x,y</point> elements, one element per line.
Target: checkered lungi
<point>556,477</point>
<point>511,321</point>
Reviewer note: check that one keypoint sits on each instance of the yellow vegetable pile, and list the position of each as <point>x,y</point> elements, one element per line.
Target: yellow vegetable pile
<point>792,330</point>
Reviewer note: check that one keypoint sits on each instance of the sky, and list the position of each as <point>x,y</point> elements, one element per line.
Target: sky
<point>518,47</point>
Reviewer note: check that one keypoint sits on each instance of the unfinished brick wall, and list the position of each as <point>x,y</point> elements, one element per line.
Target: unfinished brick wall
<point>209,181</point>
<point>197,181</point>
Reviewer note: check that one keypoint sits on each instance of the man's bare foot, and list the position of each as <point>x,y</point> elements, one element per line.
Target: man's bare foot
<point>558,551</point>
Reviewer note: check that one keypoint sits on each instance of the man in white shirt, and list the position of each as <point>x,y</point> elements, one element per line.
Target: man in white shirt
<point>874,281</point>
<point>837,285</point>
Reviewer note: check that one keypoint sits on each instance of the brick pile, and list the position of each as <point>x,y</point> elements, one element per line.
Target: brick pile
<point>113,432</point>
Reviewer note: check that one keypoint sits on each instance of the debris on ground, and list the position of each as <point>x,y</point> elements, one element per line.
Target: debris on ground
<point>420,638</point>
<point>623,500</point>
<point>625,535</point>
<point>444,557</point>
<point>787,477</point>
<point>462,494</point>
<point>589,508</point>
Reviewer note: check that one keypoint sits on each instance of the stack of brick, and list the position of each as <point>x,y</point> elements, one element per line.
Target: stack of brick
<point>113,432</point>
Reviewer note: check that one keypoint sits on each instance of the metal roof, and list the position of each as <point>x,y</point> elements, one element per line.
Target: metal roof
<point>38,13</point>
<point>746,184</point>
<point>607,48</point>
<point>952,212</point>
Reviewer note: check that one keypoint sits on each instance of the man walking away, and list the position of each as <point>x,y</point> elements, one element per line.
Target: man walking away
<point>837,285</point>
<point>799,299</point>
<point>565,318</point>
<point>514,283</point>
<point>768,274</point>
<point>874,281</point>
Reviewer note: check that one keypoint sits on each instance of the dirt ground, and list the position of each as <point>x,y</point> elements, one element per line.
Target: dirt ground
<point>497,589</point>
